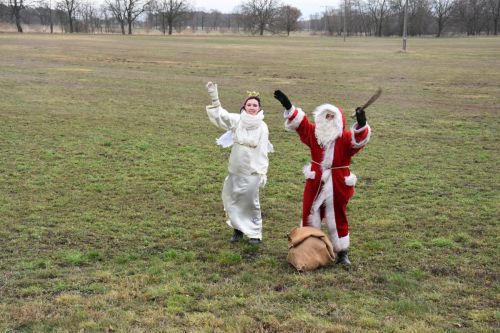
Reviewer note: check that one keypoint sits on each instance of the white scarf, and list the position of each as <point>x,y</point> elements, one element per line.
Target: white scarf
<point>246,133</point>
<point>249,128</point>
<point>251,122</point>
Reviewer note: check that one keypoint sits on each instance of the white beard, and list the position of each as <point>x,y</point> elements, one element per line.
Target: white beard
<point>327,131</point>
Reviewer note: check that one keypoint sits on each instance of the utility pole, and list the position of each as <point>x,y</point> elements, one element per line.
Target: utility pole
<point>404,26</point>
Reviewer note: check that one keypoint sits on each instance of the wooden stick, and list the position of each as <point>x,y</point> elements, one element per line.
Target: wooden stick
<point>370,101</point>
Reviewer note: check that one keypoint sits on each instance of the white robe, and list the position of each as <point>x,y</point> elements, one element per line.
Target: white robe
<point>248,163</point>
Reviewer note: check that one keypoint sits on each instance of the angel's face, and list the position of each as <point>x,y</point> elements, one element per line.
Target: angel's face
<point>252,107</point>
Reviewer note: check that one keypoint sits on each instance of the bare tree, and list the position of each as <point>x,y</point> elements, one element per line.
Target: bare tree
<point>172,11</point>
<point>378,10</point>
<point>126,12</point>
<point>196,19</point>
<point>228,21</point>
<point>441,9</point>
<point>101,18</point>
<point>104,9</point>
<point>397,8</point>
<point>45,13</point>
<point>289,18</point>
<point>471,13</point>
<point>215,15</point>
<point>88,15</point>
<point>69,6</point>
<point>133,9</point>
<point>16,6</point>
<point>117,9</point>
<point>261,14</point>
<point>237,20</point>
<point>332,21</point>
<point>494,10</point>
<point>348,14</point>
<point>359,18</point>
<point>419,17</point>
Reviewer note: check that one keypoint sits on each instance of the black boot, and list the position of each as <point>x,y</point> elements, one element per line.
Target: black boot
<point>342,258</point>
<point>254,241</point>
<point>237,236</point>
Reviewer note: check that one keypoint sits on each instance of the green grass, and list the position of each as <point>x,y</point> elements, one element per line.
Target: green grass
<point>110,209</point>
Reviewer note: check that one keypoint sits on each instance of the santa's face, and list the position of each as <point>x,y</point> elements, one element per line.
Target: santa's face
<point>327,128</point>
<point>329,116</point>
<point>252,107</point>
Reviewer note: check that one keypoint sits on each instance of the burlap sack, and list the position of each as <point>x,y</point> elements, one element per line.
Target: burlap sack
<point>309,248</point>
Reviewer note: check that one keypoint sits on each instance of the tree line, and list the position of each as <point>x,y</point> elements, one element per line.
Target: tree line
<point>356,17</point>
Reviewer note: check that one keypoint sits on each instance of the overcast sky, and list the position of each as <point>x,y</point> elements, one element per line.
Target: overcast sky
<point>307,7</point>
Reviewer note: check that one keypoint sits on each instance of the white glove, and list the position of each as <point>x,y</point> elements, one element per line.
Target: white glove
<point>214,95</point>
<point>263,180</point>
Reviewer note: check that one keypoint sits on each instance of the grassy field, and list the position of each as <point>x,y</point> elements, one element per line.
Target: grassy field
<point>110,209</point>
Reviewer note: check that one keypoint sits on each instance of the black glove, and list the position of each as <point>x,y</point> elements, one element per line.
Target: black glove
<point>360,117</point>
<point>280,96</point>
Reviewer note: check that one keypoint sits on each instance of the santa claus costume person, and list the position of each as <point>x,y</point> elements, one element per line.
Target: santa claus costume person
<point>248,135</point>
<point>329,181</point>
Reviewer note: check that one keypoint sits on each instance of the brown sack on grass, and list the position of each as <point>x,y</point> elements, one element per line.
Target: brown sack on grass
<point>309,248</point>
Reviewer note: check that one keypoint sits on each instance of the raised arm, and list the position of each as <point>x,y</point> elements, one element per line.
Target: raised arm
<point>360,131</point>
<point>283,99</point>
<point>214,94</point>
<point>360,117</point>
<point>295,118</point>
<point>216,113</point>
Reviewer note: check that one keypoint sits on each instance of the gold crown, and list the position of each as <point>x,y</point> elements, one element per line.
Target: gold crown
<point>253,93</point>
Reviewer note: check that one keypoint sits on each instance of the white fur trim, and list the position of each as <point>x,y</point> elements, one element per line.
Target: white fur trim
<point>295,123</point>
<point>328,156</point>
<point>326,197</point>
<point>315,220</point>
<point>308,173</point>
<point>362,143</point>
<point>331,222</point>
<point>351,179</point>
<point>286,113</point>
<point>359,130</point>
<point>343,243</point>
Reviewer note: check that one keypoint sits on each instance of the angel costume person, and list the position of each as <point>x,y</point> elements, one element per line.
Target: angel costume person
<point>248,135</point>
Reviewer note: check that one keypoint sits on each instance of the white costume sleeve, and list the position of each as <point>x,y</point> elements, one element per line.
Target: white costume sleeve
<point>221,118</point>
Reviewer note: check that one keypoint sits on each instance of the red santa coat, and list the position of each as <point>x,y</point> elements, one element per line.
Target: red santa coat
<point>329,184</point>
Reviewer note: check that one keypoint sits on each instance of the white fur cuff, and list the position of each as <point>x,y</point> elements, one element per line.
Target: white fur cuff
<point>351,179</point>
<point>359,130</point>
<point>343,243</point>
<point>295,122</point>
<point>308,173</point>
<point>363,142</point>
